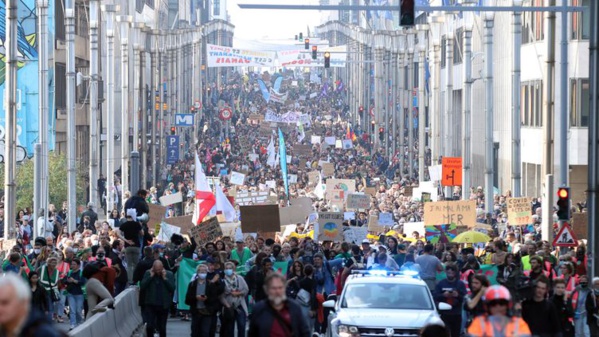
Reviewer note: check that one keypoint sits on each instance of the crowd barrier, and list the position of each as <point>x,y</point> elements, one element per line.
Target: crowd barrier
<point>124,321</point>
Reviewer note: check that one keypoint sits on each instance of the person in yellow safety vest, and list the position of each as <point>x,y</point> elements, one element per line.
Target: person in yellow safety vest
<point>497,322</point>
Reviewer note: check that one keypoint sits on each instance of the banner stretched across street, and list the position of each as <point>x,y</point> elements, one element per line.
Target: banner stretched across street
<point>221,56</point>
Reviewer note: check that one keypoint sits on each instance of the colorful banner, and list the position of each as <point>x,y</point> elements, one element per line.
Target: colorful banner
<point>291,117</point>
<point>489,270</point>
<point>222,56</point>
<point>27,78</point>
<point>303,58</point>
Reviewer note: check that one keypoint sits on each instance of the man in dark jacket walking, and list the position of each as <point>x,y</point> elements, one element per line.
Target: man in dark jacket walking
<point>138,202</point>
<point>203,298</point>
<point>273,316</point>
<point>93,216</point>
<point>158,285</point>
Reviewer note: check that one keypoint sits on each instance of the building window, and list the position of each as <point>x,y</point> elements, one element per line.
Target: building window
<point>60,86</point>
<point>216,11</point>
<point>533,23</point>
<point>579,102</point>
<point>531,108</point>
<point>581,21</point>
<point>443,51</point>
<point>458,43</point>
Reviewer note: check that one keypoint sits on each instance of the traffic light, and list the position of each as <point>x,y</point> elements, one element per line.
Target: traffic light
<point>327,59</point>
<point>406,13</point>
<point>301,36</point>
<point>173,130</point>
<point>381,133</point>
<point>314,52</point>
<point>361,110</point>
<point>307,44</point>
<point>563,203</point>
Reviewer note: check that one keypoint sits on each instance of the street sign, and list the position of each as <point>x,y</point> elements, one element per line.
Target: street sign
<point>565,237</point>
<point>225,114</point>
<point>197,105</point>
<point>451,171</point>
<point>184,120</point>
<point>172,149</point>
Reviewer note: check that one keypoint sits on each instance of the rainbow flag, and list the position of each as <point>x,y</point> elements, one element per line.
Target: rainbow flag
<point>350,133</point>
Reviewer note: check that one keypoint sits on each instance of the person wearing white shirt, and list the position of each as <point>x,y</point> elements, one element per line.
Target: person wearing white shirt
<point>44,227</point>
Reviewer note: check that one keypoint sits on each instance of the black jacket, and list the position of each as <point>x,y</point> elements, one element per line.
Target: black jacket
<point>213,292</point>
<point>38,325</point>
<point>93,217</point>
<point>263,316</point>
<point>140,205</point>
<point>39,299</point>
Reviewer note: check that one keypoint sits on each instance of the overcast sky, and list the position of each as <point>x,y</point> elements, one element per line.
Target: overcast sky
<point>252,24</point>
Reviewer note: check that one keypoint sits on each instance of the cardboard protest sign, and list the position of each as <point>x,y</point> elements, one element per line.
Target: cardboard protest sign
<point>156,214</point>
<point>328,169</point>
<point>330,226</point>
<point>315,140</point>
<point>229,228</point>
<point>580,225</point>
<point>260,218</point>
<point>338,144</point>
<point>519,211</point>
<point>408,191</point>
<point>237,178</point>
<point>460,213</point>
<point>373,224</point>
<point>386,219</point>
<point>271,184</point>
<point>297,212</point>
<point>302,150</point>
<point>330,140</point>
<point>370,191</point>
<point>183,222</point>
<point>354,235</point>
<point>170,199</point>
<point>292,178</point>
<point>347,144</point>
<point>358,201</point>
<point>336,197</point>
<point>347,185</point>
<point>206,231</point>
<point>347,216</point>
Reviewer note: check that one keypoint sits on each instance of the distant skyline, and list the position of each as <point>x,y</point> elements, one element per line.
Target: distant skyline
<point>255,24</point>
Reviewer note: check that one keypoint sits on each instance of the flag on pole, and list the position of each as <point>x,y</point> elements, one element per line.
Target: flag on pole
<point>350,133</point>
<point>283,161</point>
<point>302,133</point>
<point>272,155</point>
<point>203,194</point>
<point>320,187</point>
<point>223,205</point>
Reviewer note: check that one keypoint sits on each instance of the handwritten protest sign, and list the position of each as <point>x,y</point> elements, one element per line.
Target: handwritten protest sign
<point>206,231</point>
<point>183,222</point>
<point>166,231</point>
<point>358,201</point>
<point>254,198</point>
<point>330,226</point>
<point>460,213</point>
<point>302,150</point>
<point>354,235</point>
<point>328,169</point>
<point>237,178</point>
<point>519,211</point>
<point>373,224</point>
<point>156,214</point>
<point>386,219</point>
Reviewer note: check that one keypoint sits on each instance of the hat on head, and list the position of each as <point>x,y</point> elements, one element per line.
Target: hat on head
<point>40,241</point>
<point>401,246</point>
<point>239,241</point>
<point>158,246</point>
<point>366,241</point>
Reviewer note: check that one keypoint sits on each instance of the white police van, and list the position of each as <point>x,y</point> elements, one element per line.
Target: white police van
<point>380,303</point>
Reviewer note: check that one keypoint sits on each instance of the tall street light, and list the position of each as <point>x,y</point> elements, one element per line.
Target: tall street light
<point>516,102</point>
<point>125,23</point>
<point>489,167</point>
<point>467,103</point>
<point>435,22</point>
<point>422,136</point>
<point>410,102</point>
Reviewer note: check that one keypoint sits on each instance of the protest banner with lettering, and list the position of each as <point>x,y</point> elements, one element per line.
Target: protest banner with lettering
<point>519,211</point>
<point>301,58</point>
<point>206,231</point>
<point>260,218</point>
<point>358,201</point>
<point>244,198</point>
<point>460,213</point>
<point>354,235</point>
<point>330,226</point>
<point>222,56</point>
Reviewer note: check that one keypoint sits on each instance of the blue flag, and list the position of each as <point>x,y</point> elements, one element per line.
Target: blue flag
<point>264,90</point>
<point>278,82</point>
<point>283,158</point>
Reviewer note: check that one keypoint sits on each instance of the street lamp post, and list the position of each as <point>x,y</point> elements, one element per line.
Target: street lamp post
<point>489,167</point>
<point>110,11</point>
<point>69,15</point>
<point>94,142</point>
<point>435,22</point>
<point>379,45</point>
<point>410,102</point>
<point>422,137</point>
<point>516,101</point>
<point>467,107</point>
<point>125,22</point>
<point>401,117</point>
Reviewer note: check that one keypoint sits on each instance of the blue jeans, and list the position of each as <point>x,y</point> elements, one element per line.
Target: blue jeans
<point>76,306</point>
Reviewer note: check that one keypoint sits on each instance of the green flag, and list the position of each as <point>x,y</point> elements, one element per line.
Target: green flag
<point>187,267</point>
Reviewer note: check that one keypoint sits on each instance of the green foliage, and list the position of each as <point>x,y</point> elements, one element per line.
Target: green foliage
<point>57,182</point>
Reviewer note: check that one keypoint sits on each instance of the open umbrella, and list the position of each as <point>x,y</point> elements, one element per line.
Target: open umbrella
<point>471,237</point>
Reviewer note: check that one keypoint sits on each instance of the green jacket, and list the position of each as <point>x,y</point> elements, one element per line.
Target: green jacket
<point>158,291</point>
